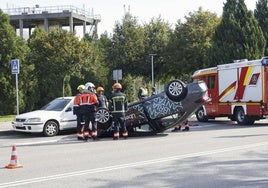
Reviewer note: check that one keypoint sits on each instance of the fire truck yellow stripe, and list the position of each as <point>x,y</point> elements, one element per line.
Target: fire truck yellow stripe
<point>248,74</point>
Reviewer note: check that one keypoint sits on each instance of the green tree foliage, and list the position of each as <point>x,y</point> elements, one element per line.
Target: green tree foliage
<point>190,43</point>
<point>98,72</point>
<point>13,47</point>
<point>238,36</point>
<point>157,37</point>
<point>57,56</point>
<point>261,14</point>
<point>127,47</point>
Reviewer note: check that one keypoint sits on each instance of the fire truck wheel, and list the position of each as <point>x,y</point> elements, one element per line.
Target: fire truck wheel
<point>103,116</point>
<point>176,90</point>
<point>200,115</point>
<point>242,118</point>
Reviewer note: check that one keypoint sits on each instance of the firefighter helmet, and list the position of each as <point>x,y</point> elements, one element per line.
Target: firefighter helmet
<point>80,87</point>
<point>90,86</point>
<point>99,89</point>
<point>117,86</point>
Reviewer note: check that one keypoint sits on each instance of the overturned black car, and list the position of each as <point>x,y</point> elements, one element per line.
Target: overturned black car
<point>159,112</point>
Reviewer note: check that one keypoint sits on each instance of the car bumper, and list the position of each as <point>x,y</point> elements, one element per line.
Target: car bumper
<point>31,128</point>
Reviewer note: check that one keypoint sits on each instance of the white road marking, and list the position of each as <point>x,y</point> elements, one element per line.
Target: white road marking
<point>128,165</point>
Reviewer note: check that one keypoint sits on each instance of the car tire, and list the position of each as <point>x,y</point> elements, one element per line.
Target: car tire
<point>103,116</point>
<point>200,115</point>
<point>176,90</point>
<point>51,128</point>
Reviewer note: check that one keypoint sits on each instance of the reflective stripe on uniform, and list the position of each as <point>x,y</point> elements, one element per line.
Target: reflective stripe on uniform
<point>116,134</point>
<point>86,133</point>
<point>116,100</point>
<point>144,92</point>
<point>94,133</point>
<point>125,133</point>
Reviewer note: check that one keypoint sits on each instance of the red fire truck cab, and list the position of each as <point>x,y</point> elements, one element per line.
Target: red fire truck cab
<point>237,90</point>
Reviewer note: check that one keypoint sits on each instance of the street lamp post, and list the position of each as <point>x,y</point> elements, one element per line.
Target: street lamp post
<point>152,60</point>
<point>63,86</point>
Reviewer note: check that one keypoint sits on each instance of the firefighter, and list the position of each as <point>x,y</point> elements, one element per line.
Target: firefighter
<point>153,91</point>
<point>77,112</point>
<point>178,126</point>
<point>142,93</point>
<point>88,105</point>
<point>103,102</point>
<point>91,107</point>
<point>118,107</point>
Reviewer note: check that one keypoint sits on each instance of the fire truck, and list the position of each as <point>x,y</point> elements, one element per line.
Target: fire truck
<point>238,90</point>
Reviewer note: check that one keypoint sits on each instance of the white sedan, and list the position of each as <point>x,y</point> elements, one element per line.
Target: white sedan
<point>49,120</point>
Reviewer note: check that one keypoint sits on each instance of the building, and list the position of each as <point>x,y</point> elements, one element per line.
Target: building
<point>50,17</point>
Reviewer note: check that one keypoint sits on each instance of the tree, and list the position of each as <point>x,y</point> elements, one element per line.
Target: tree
<point>125,51</point>
<point>261,14</point>
<point>13,47</point>
<point>157,36</point>
<point>238,36</point>
<point>127,47</point>
<point>58,56</point>
<point>98,71</point>
<point>188,49</point>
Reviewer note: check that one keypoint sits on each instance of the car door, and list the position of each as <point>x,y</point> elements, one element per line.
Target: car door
<point>68,118</point>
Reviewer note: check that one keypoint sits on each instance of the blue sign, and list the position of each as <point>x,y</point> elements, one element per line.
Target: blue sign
<point>15,66</point>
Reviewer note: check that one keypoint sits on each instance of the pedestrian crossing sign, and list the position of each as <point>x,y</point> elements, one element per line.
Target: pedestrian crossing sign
<point>15,66</point>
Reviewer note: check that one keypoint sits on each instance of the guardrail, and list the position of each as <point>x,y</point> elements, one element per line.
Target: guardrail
<point>50,9</point>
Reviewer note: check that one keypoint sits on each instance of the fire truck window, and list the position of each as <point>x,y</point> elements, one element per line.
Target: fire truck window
<point>211,82</point>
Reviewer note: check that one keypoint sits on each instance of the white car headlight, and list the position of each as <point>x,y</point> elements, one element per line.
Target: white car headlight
<point>33,120</point>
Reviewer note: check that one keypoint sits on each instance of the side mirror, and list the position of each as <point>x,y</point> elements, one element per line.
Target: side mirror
<point>68,109</point>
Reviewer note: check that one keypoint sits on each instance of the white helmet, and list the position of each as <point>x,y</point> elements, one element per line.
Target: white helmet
<point>90,86</point>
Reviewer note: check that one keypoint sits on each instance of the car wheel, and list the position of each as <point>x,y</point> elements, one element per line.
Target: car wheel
<point>241,118</point>
<point>176,90</point>
<point>103,116</point>
<point>51,128</point>
<point>200,115</point>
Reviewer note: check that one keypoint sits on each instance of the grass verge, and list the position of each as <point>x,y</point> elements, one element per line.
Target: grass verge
<point>6,118</point>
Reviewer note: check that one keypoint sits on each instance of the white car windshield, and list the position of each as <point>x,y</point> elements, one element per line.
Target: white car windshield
<point>56,105</point>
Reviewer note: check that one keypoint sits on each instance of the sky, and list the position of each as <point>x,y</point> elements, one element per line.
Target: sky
<point>112,11</point>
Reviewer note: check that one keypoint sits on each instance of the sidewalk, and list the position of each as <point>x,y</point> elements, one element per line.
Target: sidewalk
<point>5,126</point>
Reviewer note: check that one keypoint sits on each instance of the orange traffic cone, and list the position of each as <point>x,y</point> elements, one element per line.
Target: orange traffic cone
<point>14,159</point>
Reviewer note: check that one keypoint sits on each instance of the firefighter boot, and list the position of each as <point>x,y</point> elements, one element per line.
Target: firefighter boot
<point>177,128</point>
<point>125,134</point>
<point>116,136</point>
<point>94,135</point>
<point>186,126</point>
<point>80,136</point>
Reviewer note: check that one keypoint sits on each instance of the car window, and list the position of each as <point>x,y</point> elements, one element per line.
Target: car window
<point>169,120</point>
<point>56,105</point>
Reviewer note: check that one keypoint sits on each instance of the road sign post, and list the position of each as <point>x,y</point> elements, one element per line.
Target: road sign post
<point>15,69</point>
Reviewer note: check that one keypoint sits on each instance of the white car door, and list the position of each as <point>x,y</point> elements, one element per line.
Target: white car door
<point>68,118</point>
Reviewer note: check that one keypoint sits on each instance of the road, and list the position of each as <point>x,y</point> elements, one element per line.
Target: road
<point>214,154</point>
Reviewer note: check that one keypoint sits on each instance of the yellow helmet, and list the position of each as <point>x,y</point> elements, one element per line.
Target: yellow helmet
<point>81,87</point>
<point>99,89</point>
<point>117,86</point>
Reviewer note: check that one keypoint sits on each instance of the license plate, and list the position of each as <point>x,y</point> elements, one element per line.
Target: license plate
<point>19,124</point>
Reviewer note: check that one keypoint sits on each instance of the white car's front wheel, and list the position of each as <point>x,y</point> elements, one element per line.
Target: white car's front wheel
<point>51,128</point>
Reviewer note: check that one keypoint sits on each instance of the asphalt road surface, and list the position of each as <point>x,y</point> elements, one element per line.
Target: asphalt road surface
<point>214,154</point>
